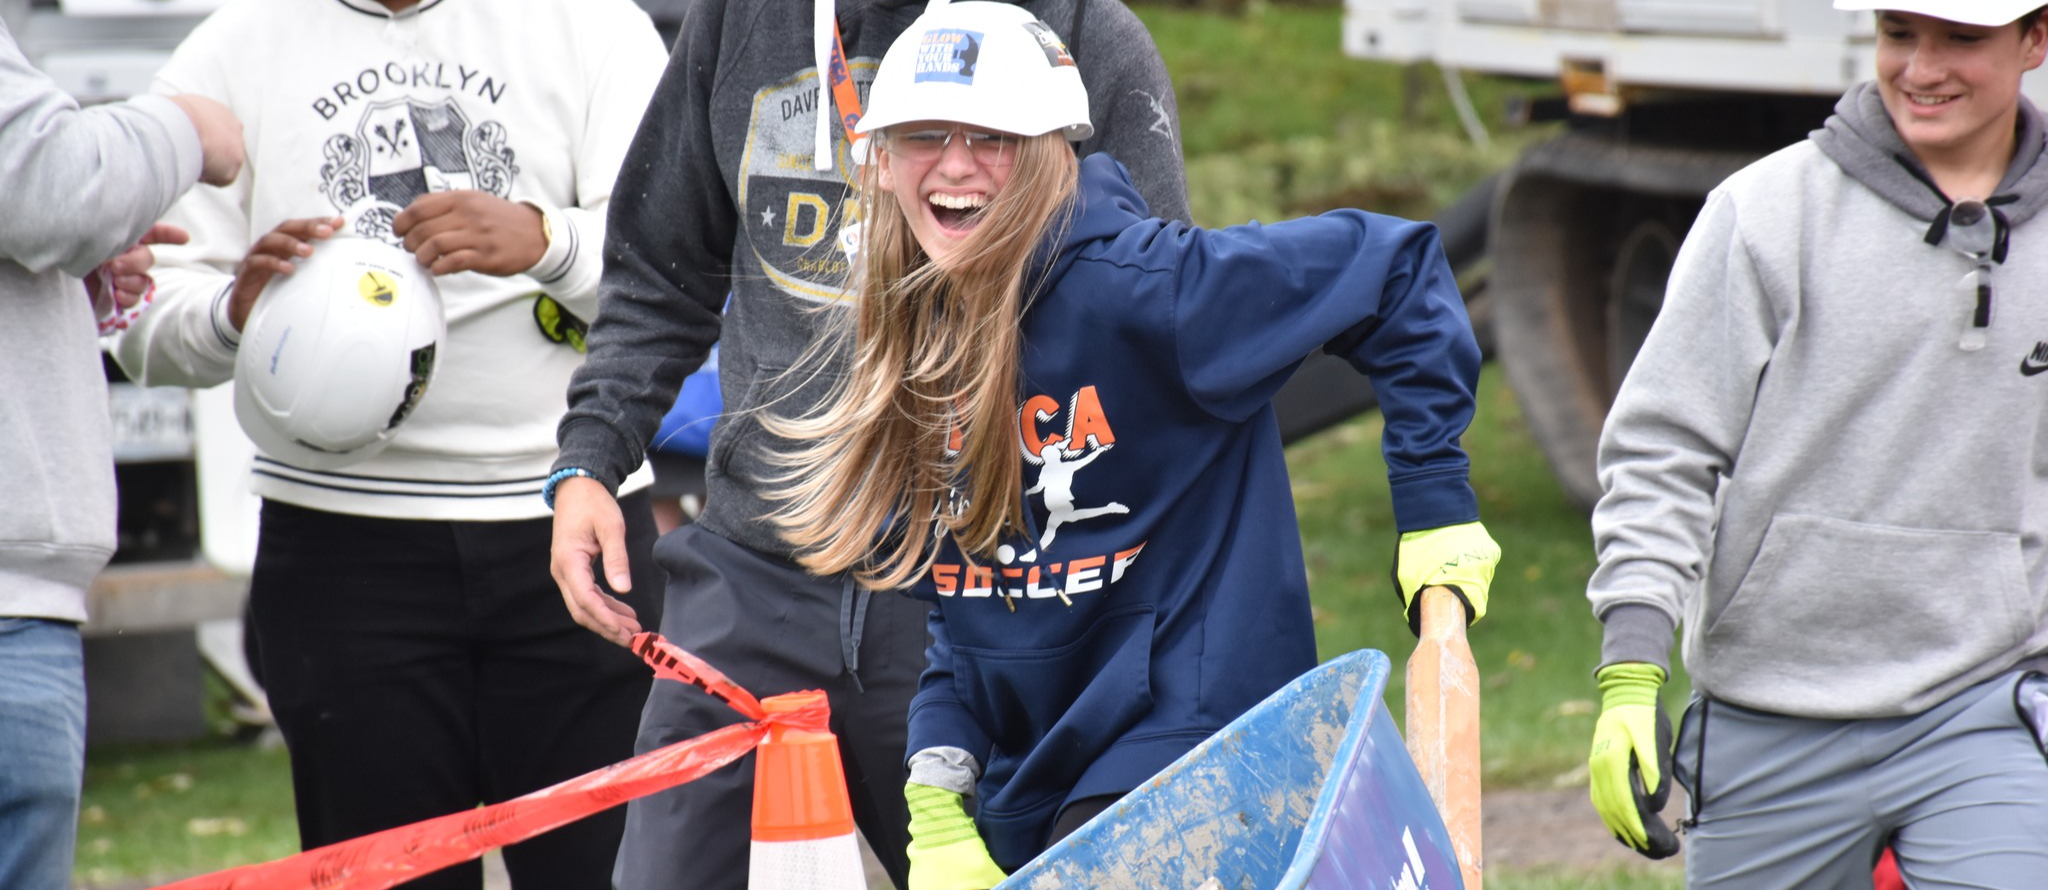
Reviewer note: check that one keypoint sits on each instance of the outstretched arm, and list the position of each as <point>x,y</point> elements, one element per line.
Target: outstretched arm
<point>85,184</point>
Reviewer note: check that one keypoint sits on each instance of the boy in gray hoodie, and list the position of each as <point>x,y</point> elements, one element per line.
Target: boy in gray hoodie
<point>1827,462</point>
<point>79,186</point>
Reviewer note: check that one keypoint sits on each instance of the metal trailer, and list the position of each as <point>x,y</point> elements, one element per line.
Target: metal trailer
<point>1663,99</point>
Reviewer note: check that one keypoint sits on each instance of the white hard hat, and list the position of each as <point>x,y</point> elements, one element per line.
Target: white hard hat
<point>982,64</point>
<point>338,353</point>
<point>1968,12</point>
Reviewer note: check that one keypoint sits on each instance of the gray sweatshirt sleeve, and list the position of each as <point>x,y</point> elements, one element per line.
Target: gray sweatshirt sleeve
<point>1131,103</point>
<point>668,248</point>
<point>1674,434</point>
<point>83,184</point>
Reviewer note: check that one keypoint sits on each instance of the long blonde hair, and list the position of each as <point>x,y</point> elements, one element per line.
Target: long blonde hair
<point>870,484</point>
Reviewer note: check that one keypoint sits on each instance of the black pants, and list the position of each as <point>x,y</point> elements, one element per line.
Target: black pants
<point>421,668</point>
<point>772,628</point>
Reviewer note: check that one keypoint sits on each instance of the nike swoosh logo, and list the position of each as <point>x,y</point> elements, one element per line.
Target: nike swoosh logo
<point>2029,369</point>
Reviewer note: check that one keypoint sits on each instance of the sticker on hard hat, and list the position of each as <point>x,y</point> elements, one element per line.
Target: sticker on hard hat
<point>1055,52</point>
<point>422,371</point>
<point>377,287</point>
<point>947,55</point>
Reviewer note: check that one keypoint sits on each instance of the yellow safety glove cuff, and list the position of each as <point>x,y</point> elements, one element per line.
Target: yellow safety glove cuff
<point>1631,761</point>
<point>946,853</point>
<point>1460,557</point>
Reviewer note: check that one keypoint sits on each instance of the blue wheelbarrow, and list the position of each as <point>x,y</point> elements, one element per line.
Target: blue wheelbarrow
<point>1310,790</point>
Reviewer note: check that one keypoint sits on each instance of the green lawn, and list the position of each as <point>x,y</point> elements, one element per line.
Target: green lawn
<point>1277,122</point>
<point>165,812</point>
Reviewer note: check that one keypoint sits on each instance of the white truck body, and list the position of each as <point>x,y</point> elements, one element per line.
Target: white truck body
<point>1756,46</point>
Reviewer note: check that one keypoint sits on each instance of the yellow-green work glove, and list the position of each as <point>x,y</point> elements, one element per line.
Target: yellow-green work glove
<point>946,853</point>
<point>1460,557</point>
<point>1631,760</point>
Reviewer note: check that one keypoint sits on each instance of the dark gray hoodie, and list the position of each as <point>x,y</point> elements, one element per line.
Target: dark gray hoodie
<point>1828,458</point>
<point>720,193</point>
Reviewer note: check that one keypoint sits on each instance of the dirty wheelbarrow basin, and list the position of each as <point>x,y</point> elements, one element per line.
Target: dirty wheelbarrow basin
<point>1311,789</point>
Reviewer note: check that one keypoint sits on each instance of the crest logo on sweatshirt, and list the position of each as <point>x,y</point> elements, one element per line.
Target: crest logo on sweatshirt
<point>792,213</point>
<point>2036,361</point>
<point>406,148</point>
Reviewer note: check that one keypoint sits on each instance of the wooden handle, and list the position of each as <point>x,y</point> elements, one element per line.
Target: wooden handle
<point>1443,723</point>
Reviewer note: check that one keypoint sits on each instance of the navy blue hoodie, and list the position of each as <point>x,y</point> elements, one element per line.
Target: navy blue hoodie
<point>1163,592</point>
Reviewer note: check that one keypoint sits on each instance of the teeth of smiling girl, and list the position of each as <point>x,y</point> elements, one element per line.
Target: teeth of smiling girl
<point>960,202</point>
<point>1919,99</point>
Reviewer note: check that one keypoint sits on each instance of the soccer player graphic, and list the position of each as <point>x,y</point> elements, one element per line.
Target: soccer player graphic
<point>1056,481</point>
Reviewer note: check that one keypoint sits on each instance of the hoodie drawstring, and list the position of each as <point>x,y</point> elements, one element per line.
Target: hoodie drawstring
<point>853,617</point>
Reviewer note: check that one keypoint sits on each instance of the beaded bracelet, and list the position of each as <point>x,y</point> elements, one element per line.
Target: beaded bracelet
<point>547,489</point>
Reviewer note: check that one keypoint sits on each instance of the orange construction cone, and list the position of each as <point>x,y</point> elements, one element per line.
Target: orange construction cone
<point>803,820</point>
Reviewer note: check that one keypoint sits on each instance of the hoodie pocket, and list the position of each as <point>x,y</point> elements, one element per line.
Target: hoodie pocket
<point>1083,695</point>
<point>740,448</point>
<point>1848,619</point>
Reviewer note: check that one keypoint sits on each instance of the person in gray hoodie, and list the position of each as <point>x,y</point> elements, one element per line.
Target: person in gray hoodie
<point>81,188</point>
<point>1827,465</point>
<point>740,180</point>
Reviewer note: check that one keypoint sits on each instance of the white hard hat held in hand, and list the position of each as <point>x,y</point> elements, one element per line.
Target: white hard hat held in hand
<point>338,354</point>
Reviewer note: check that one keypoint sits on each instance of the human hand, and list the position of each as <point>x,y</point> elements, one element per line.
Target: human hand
<point>946,853</point>
<point>1631,760</point>
<point>588,525</point>
<point>1461,557</point>
<point>126,276</point>
<point>272,255</point>
<point>471,231</point>
<point>220,138</point>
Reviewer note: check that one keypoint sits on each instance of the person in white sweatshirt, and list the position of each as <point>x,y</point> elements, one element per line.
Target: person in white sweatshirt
<point>409,635</point>
<point>82,188</point>
<point>1826,464</point>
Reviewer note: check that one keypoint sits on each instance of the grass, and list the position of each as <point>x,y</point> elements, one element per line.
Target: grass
<point>165,812</point>
<point>1277,122</point>
<point>1624,878</point>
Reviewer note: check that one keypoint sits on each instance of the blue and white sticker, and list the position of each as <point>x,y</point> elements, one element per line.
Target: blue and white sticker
<point>947,55</point>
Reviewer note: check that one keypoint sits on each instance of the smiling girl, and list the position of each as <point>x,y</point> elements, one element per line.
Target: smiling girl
<point>1057,426</point>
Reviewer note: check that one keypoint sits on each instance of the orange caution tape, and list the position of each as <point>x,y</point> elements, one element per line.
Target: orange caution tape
<point>381,860</point>
<point>672,663</point>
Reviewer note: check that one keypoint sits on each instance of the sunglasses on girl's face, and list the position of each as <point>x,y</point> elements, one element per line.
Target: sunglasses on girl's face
<point>992,149</point>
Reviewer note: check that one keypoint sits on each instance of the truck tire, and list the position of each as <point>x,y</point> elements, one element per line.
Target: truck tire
<point>1584,233</point>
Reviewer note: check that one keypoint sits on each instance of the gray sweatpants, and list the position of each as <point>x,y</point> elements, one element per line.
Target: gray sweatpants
<point>772,628</point>
<point>1960,792</point>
